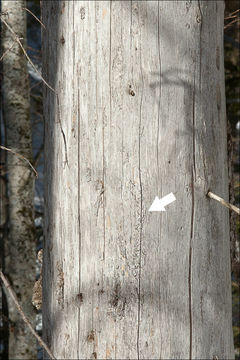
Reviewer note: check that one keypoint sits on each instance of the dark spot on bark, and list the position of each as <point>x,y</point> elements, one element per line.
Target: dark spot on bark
<point>218,96</point>
<point>80,297</point>
<point>218,57</point>
<point>91,336</point>
<point>60,284</point>
<point>62,40</point>
<point>82,12</point>
<point>124,304</point>
<point>101,291</point>
<point>115,295</point>
<point>169,161</point>
<point>131,92</point>
<point>94,354</point>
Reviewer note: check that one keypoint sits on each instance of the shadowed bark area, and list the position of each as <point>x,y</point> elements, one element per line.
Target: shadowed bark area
<point>139,113</point>
<point>20,244</point>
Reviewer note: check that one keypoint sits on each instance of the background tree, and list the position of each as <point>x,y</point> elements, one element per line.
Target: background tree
<point>232,71</point>
<point>20,245</point>
<point>139,112</point>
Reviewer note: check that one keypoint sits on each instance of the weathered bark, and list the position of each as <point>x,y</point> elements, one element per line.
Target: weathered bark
<point>141,112</point>
<point>20,246</point>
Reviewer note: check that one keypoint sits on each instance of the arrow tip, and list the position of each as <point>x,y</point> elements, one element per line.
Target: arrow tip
<point>156,205</point>
<point>159,204</point>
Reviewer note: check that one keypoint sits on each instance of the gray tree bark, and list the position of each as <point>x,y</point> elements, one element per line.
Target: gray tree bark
<point>20,245</point>
<point>139,113</point>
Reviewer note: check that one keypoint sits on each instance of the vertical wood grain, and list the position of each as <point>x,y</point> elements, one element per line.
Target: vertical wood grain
<point>141,106</point>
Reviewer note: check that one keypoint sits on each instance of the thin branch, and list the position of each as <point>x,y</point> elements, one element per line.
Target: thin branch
<point>38,83</point>
<point>231,23</point>
<point>231,17</point>
<point>223,202</point>
<point>25,53</point>
<point>34,17</point>
<point>21,156</point>
<point>6,51</point>
<point>25,319</point>
<point>235,12</point>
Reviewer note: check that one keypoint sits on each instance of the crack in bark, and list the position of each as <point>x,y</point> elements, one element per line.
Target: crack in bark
<point>200,39</point>
<point>160,86</point>
<point>199,19</point>
<point>190,272</point>
<point>62,132</point>
<point>141,211</point>
<point>158,129</point>
<point>192,221</point>
<point>79,206</point>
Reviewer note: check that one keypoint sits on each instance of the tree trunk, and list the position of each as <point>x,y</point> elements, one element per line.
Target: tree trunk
<point>139,113</point>
<point>20,246</point>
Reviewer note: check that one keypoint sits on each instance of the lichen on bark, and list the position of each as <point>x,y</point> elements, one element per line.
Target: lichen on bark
<point>20,244</point>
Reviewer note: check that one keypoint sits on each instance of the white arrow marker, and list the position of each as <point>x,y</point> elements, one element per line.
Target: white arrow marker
<point>158,204</point>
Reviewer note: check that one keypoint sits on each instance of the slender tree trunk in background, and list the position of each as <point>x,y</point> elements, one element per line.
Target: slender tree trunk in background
<point>4,333</point>
<point>140,112</point>
<point>20,246</point>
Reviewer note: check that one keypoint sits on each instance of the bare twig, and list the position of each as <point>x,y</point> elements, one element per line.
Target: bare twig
<point>25,53</point>
<point>34,17</point>
<point>230,17</point>
<point>223,202</point>
<point>233,13</point>
<point>5,52</point>
<point>21,156</point>
<point>231,23</point>
<point>25,319</point>
<point>38,83</point>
